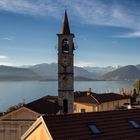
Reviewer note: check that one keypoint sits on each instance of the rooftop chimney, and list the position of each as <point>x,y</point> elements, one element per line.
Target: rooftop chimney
<point>89,92</point>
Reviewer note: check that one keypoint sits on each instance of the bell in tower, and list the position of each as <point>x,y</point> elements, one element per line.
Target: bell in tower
<point>65,67</point>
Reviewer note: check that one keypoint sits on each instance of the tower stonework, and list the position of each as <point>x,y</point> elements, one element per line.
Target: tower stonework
<point>65,68</point>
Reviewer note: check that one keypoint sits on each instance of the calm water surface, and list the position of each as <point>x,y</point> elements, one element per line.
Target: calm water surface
<point>11,93</point>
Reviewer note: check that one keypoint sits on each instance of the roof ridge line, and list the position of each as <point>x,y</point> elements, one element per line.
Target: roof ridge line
<point>94,98</point>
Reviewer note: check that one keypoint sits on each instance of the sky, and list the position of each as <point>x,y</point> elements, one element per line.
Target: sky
<point>107,32</point>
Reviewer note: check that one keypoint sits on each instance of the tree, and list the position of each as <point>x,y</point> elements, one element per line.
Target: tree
<point>137,86</point>
<point>12,108</point>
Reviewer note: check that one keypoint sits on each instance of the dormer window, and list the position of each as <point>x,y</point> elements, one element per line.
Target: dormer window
<point>65,46</point>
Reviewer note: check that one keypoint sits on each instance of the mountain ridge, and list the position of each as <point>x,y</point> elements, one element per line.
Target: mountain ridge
<point>46,72</point>
<point>129,72</point>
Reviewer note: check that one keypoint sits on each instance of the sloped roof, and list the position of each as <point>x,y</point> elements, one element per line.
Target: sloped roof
<point>85,97</point>
<point>45,105</point>
<point>15,115</point>
<point>109,97</point>
<point>113,125</point>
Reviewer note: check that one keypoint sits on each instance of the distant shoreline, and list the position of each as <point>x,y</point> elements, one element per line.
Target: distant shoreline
<point>10,80</point>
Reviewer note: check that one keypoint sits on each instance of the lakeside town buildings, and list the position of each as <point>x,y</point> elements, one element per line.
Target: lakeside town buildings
<point>73,120</point>
<point>71,125</point>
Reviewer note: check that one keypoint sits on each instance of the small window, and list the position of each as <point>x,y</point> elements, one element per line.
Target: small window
<point>65,106</point>
<point>94,129</point>
<point>82,110</point>
<point>134,124</point>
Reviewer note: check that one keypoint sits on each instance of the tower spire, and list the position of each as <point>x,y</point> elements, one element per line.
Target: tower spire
<point>65,27</point>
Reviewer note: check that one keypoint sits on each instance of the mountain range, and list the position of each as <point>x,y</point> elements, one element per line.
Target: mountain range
<point>129,72</point>
<point>15,73</point>
<point>45,72</point>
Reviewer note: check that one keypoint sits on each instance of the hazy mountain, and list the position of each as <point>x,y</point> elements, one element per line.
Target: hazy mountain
<point>138,66</point>
<point>46,71</point>
<point>49,71</point>
<point>129,72</point>
<point>14,73</point>
<point>100,70</point>
<point>81,72</point>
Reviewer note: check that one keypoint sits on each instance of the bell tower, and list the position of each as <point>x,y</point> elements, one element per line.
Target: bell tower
<point>65,67</point>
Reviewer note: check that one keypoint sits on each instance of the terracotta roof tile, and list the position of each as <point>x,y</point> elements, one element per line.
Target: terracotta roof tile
<point>100,98</point>
<point>45,105</point>
<point>114,125</point>
<point>109,97</point>
<point>86,99</point>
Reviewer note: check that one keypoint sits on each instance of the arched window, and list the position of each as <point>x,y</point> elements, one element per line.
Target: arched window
<point>65,106</point>
<point>65,46</point>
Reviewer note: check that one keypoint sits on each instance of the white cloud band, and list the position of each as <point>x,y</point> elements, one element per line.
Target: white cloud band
<point>2,57</point>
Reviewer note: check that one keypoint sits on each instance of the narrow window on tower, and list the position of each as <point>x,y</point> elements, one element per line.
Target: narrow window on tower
<point>65,46</point>
<point>65,106</point>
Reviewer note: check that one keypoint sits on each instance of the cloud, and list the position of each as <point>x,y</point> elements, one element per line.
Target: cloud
<point>3,57</point>
<point>32,7</point>
<point>4,60</point>
<point>135,34</point>
<point>8,38</point>
<point>109,14</point>
<point>113,13</point>
<point>6,64</point>
<point>84,63</point>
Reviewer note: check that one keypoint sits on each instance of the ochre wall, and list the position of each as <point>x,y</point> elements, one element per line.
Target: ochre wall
<point>87,107</point>
<point>99,107</point>
<point>39,134</point>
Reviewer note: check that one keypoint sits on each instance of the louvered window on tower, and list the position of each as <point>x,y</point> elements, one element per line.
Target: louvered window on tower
<point>94,129</point>
<point>134,124</point>
<point>65,46</point>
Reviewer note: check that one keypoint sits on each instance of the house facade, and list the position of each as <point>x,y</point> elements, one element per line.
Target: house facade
<point>14,124</point>
<point>92,102</point>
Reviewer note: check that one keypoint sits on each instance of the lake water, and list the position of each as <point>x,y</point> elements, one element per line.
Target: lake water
<point>11,93</point>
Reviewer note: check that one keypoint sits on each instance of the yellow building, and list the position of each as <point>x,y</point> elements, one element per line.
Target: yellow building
<point>38,131</point>
<point>92,102</point>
